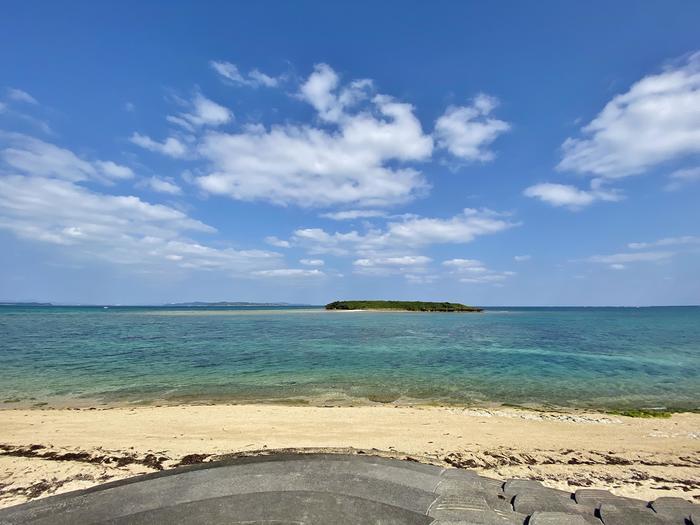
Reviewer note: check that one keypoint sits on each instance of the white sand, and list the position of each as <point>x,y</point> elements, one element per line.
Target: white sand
<point>643,458</point>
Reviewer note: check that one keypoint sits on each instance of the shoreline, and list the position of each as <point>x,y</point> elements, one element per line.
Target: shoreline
<point>336,400</point>
<point>48,451</point>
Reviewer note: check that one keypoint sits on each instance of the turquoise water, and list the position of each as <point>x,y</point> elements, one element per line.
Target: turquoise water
<point>572,357</point>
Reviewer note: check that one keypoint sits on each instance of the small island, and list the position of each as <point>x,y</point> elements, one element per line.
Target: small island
<point>402,306</point>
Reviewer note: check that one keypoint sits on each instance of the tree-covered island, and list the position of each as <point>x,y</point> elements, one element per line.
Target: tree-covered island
<point>405,306</point>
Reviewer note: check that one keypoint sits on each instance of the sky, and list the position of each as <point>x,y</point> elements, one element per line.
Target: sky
<point>491,153</point>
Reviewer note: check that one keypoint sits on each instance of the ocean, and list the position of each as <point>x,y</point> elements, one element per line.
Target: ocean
<point>598,358</point>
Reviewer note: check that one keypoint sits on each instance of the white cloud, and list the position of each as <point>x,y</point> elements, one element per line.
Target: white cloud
<point>114,228</point>
<point>20,96</point>
<point>420,278</point>
<point>203,112</point>
<point>361,152</point>
<point>254,79</point>
<point>623,258</point>
<point>656,121</point>
<point>36,157</point>
<point>462,228</point>
<point>289,272</point>
<point>410,232</point>
<point>522,258</point>
<point>130,107</point>
<point>228,71</point>
<point>53,207</point>
<point>467,131</point>
<point>668,241</point>
<point>400,264</point>
<point>321,91</point>
<point>473,271</point>
<point>40,158</point>
<point>279,243</point>
<point>560,194</point>
<point>388,251</point>
<point>465,265</point>
<point>565,195</point>
<point>259,78</point>
<point>618,266</point>
<point>171,147</point>
<point>354,164</point>
<point>113,170</point>
<point>401,261</point>
<point>681,178</point>
<point>11,107</point>
<point>353,214</point>
<point>489,278</point>
<point>42,200</point>
<point>163,186</point>
<point>405,260</point>
<point>318,91</point>
<point>193,255</point>
<point>312,262</point>
<point>318,241</point>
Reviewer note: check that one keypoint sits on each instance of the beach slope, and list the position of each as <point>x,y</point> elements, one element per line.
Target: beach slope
<point>47,451</point>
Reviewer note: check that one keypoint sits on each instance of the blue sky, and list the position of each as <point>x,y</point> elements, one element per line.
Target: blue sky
<point>543,153</point>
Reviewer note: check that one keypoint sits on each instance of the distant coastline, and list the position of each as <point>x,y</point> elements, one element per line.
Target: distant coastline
<point>232,303</point>
<point>158,305</point>
<point>10,303</point>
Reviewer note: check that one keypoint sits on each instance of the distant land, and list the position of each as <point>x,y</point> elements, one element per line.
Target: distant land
<point>232,303</point>
<point>404,306</point>
<point>189,304</point>
<point>20,303</point>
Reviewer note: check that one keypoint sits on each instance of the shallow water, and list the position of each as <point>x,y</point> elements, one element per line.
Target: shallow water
<point>571,357</point>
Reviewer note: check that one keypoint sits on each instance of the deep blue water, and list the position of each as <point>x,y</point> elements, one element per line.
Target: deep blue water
<point>574,357</point>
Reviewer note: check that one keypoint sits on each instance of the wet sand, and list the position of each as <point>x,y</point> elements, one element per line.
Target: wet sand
<point>48,451</point>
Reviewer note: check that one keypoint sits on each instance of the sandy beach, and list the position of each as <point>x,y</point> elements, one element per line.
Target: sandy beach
<point>48,451</point>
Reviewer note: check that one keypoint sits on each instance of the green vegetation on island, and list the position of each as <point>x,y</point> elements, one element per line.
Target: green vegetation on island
<point>407,306</point>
